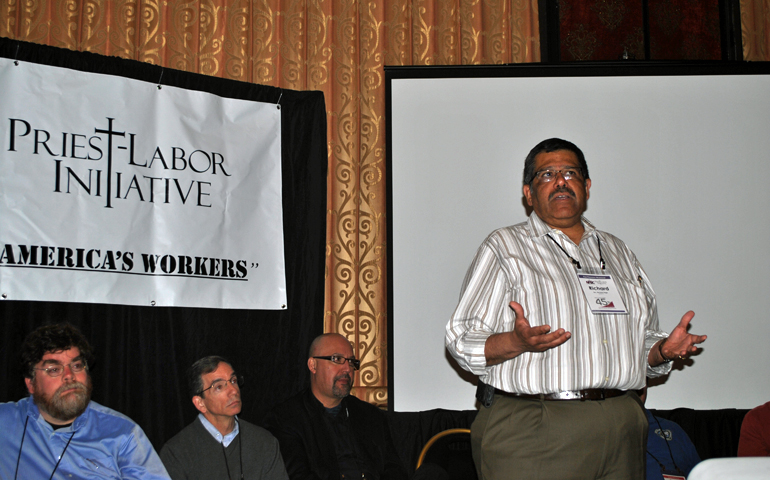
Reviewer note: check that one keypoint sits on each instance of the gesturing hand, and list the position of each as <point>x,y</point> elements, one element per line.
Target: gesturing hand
<point>524,338</point>
<point>680,343</point>
<point>535,339</point>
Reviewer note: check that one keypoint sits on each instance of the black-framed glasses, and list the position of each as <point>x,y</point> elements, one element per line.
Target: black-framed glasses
<point>219,386</point>
<point>340,360</point>
<point>550,174</point>
<point>57,369</point>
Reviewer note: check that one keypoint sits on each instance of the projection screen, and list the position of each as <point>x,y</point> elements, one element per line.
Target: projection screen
<point>679,160</point>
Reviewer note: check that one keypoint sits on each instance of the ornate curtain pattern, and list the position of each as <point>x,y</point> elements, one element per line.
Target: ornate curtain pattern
<point>755,29</point>
<point>339,47</point>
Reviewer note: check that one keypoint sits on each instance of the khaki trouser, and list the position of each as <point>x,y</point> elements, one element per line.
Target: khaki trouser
<point>560,440</point>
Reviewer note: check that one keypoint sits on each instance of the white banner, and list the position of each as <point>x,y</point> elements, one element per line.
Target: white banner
<point>116,191</point>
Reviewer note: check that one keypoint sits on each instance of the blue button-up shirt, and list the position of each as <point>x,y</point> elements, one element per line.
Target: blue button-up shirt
<point>103,443</point>
<point>225,440</point>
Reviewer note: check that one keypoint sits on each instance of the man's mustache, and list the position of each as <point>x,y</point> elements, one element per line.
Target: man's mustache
<point>344,375</point>
<point>79,387</point>
<point>561,190</point>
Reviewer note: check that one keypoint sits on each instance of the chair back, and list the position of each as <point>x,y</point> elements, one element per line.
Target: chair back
<point>450,450</point>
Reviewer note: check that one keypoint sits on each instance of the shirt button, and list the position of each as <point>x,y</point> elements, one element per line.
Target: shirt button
<point>606,378</point>
<point>604,341</point>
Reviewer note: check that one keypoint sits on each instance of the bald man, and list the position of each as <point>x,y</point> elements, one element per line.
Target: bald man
<point>327,434</point>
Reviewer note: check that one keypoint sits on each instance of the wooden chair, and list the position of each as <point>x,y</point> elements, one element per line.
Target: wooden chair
<point>450,450</point>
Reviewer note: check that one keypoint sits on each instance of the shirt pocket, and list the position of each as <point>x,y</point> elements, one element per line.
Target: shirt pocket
<point>635,299</point>
<point>97,466</point>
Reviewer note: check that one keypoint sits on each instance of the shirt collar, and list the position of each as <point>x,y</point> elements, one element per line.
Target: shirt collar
<point>225,440</point>
<point>320,406</point>
<point>538,228</point>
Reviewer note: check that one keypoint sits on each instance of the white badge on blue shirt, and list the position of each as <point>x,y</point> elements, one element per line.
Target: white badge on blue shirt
<point>602,293</point>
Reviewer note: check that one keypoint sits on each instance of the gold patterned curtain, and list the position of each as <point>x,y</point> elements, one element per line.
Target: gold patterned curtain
<point>755,29</point>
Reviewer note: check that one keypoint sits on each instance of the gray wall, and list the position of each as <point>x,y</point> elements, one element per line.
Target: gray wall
<point>680,171</point>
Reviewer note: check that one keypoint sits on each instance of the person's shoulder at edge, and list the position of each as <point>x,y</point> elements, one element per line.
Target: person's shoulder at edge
<point>761,409</point>
<point>755,430</point>
<point>18,407</point>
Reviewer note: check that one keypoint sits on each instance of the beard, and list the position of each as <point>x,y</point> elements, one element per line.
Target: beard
<point>67,407</point>
<point>343,390</point>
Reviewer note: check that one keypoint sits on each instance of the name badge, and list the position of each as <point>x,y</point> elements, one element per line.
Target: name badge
<point>667,476</point>
<point>602,293</point>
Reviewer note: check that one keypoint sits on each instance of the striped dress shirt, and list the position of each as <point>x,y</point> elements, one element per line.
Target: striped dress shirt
<point>521,263</point>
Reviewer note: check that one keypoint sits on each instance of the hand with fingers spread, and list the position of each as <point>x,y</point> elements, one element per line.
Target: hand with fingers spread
<point>679,343</point>
<point>523,338</point>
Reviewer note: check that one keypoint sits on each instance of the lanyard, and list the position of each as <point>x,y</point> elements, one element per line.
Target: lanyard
<point>575,262</point>
<point>670,453</point>
<point>240,451</point>
<point>24,434</point>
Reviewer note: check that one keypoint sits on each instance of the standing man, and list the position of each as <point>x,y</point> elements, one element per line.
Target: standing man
<point>59,432</point>
<point>327,434</point>
<point>559,321</point>
<point>217,444</point>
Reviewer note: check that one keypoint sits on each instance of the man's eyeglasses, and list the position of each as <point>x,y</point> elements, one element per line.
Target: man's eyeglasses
<point>220,385</point>
<point>550,174</point>
<point>56,370</point>
<point>340,360</point>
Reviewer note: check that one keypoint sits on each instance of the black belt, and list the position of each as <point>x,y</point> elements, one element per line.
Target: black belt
<point>587,394</point>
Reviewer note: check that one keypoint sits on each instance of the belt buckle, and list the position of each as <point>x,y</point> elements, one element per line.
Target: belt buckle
<point>572,395</point>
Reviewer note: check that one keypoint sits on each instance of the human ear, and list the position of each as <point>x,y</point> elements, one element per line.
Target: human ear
<point>198,402</point>
<point>311,365</point>
<point>527,191</point>
<point>30,385</point>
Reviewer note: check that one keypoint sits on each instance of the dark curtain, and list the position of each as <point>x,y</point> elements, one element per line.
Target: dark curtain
<point>143,352</point>
<point>678,30</point>
<point>600,30</point>
<point>684,30</point>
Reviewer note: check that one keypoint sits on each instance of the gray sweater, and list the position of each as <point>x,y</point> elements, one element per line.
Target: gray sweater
<point>194,454</point>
